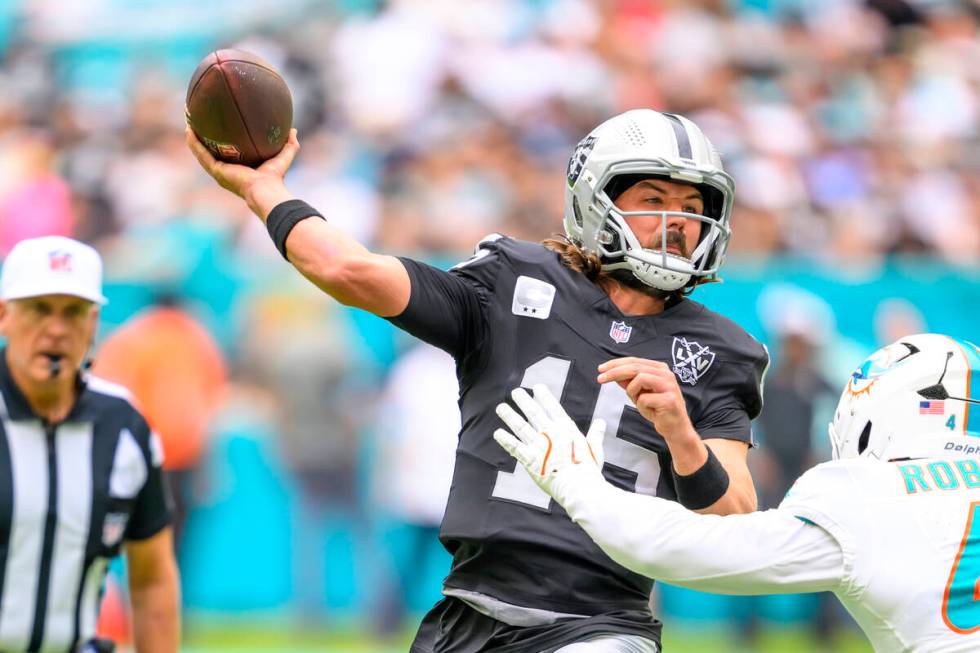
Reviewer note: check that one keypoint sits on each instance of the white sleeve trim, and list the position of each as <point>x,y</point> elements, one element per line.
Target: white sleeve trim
<point>102,386</point>
<point>479,251</point>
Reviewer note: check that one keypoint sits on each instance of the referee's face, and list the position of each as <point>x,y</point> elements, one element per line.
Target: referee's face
<point>39,328</point>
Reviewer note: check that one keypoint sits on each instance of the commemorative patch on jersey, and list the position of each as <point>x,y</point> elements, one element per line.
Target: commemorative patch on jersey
<point>532,298</point>
<point>620,332</point>
<point>691,360</point>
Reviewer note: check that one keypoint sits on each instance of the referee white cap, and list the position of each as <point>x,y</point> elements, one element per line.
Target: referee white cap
<point>52,265</point>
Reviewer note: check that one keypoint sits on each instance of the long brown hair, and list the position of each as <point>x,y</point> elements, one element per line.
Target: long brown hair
<point>574,257</point>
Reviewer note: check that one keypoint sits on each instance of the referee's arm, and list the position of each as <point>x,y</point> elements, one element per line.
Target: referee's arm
<point>154,593</point>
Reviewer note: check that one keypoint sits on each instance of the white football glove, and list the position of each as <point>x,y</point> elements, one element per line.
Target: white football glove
<point>548,444</point>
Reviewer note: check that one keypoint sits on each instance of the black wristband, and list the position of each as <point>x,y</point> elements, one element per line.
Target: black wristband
<point>284,217</point>
<point>705,486</point>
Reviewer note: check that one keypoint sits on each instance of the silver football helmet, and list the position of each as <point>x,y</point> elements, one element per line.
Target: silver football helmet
<point>911,399</point>
<point>644,142</point>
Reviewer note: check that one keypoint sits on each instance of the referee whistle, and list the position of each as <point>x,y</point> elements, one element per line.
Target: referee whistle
<point>54,365</point>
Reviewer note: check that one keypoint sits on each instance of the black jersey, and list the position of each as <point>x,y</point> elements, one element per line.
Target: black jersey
<point>515,315</point>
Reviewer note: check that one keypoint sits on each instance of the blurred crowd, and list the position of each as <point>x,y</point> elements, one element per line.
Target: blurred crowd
<point>850,125</point>
<point>852,128</point>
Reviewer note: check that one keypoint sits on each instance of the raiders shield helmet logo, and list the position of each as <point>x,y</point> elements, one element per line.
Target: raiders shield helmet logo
<point>576,164</point>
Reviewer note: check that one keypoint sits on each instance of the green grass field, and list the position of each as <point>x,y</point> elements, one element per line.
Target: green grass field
<point>232,638</point>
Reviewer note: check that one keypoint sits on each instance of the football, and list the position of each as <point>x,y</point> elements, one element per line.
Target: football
<point>239,106</point>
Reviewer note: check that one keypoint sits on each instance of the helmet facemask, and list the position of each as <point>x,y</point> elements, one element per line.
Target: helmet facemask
<point>620,249</point>
<point>642,145</point>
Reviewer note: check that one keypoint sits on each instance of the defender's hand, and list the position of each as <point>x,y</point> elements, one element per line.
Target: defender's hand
<point>547,442</point>
<point>653,388</point>
<point>257,186</point>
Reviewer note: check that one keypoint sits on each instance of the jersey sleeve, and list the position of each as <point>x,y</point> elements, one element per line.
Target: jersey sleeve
<point>735,400</point>
<point>448,309</point>
<point>819,496</point>
<point>483,267</point>
<point>154,506</point>
<point>757,553</point>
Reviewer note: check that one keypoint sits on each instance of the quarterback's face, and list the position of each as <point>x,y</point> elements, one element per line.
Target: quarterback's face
<point>661,195</point>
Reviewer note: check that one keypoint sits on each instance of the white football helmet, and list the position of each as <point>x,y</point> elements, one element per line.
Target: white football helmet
<point>644,142</point>
<point>911,399</point>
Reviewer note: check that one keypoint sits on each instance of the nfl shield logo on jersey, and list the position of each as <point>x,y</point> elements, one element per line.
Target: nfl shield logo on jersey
<point>620,332</point>
<point>691,360</point>
<point>114,528</point>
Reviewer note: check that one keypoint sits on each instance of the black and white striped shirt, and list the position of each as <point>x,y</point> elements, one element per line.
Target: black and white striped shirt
<point>70,494</point>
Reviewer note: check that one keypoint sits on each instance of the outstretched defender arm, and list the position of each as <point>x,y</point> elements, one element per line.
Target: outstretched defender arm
<point>758,553</point>
<point>767,552</point>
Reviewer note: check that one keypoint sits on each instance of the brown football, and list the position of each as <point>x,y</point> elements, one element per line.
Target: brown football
<point>239,106</point>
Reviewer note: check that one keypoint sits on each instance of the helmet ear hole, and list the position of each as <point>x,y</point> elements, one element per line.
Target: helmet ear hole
<point>577,213</point>
<point>864,439</point>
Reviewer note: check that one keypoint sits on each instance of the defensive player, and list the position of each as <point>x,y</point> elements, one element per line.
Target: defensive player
<point>890,525</point>
<point>647,210</point>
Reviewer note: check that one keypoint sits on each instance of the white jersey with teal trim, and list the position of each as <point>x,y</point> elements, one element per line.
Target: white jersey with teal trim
<point>910,544</point>
<point>899,543</point>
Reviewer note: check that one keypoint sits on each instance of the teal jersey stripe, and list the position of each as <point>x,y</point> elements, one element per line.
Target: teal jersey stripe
<point>972,422</point>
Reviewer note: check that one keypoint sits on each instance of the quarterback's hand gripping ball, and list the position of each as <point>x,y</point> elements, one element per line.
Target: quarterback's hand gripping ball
<point>239,107</point>
<point>547,442</point>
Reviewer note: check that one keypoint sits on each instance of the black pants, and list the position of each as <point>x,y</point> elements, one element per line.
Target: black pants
<point>452,626</point>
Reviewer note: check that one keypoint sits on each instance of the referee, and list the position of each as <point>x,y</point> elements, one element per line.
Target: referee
<point>80,472</point>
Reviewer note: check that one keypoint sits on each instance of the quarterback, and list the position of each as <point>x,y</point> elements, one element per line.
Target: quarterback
<point>647,212</point>
<point>890,526</point>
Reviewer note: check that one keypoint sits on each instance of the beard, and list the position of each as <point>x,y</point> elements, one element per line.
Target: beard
<point>628,279</point>
<point>675,239</point>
